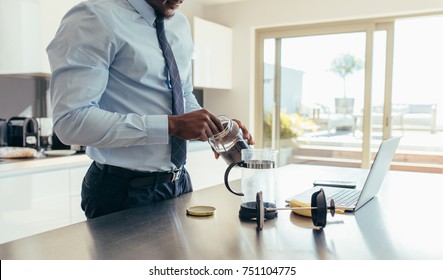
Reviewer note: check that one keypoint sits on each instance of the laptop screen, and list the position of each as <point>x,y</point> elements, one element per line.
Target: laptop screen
<point>378,170</point>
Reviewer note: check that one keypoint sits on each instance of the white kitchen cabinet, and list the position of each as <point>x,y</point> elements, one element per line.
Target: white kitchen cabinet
<point>26,28</point>
<point>40,195</point>
<point>20,36</point>
<point>33,203</point>
<point>76,178</point>
<point>213,55</point>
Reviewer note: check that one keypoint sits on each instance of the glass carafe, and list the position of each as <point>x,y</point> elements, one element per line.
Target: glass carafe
<point>258,174</point>
<point>229,143</point>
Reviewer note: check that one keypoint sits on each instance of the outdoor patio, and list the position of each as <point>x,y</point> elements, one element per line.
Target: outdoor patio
<point>418,151</point>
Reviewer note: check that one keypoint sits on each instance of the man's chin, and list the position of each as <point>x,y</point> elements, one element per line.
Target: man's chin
<point>169,14</point>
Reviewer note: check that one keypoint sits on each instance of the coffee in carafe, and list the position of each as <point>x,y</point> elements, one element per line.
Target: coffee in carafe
<point>229,142</point>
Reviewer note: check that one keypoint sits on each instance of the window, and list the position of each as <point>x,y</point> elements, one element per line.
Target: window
<point>339,89</point>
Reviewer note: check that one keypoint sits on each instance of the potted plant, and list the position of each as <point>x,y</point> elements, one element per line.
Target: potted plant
<point>291,126</point>
<point>343,66</point>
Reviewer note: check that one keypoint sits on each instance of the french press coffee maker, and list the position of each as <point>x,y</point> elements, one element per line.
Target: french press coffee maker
<point>258,175</point>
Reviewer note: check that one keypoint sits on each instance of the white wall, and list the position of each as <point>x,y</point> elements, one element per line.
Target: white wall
<point>246,16</point>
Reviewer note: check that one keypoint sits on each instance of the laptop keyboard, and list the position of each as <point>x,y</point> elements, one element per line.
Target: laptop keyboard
<point>345,198</point>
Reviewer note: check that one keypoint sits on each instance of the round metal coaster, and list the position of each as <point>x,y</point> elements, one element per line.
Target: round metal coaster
<point>200,210</point>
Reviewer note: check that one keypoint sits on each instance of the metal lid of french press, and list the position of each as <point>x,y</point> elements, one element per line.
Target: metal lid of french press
<point>260,164</point>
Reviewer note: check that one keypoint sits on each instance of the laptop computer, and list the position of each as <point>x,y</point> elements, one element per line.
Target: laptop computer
<point>354,199</point>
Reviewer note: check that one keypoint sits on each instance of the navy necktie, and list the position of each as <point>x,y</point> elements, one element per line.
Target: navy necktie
<point>178,145</point>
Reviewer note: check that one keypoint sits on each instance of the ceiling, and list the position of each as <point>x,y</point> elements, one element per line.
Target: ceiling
<point>212,2</point>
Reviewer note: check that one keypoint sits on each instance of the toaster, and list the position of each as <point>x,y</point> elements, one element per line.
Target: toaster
<point>23,132</point>
<point>3,132</point>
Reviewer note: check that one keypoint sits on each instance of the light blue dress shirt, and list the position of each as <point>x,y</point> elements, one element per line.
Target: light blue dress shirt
<point>109,88</point>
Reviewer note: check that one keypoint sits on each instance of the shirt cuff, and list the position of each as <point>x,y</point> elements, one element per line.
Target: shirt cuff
<point>158,129</point>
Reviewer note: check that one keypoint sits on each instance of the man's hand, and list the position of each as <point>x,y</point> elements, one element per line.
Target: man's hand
<point>197,125</point>
<point>246,135</point>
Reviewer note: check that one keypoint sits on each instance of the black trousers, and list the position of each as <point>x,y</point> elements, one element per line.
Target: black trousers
<point>104,192</point>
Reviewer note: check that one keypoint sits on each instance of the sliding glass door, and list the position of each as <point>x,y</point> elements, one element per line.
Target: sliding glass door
<point>417,92</point>
<point>314,91</point>
<point>329,94</point>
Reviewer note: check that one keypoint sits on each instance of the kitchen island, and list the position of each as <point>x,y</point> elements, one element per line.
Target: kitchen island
<point>394,225</point>
<point>43,193</point>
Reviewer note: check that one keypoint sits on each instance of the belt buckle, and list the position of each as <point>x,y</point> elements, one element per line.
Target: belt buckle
<point>175,174</point>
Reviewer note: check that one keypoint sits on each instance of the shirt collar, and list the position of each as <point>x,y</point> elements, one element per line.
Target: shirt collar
<point>145,10</point>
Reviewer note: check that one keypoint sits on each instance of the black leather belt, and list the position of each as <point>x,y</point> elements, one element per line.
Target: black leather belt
<point>141,179</point>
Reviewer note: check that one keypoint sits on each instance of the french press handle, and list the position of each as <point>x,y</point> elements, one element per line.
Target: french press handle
<point>241,164</point>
